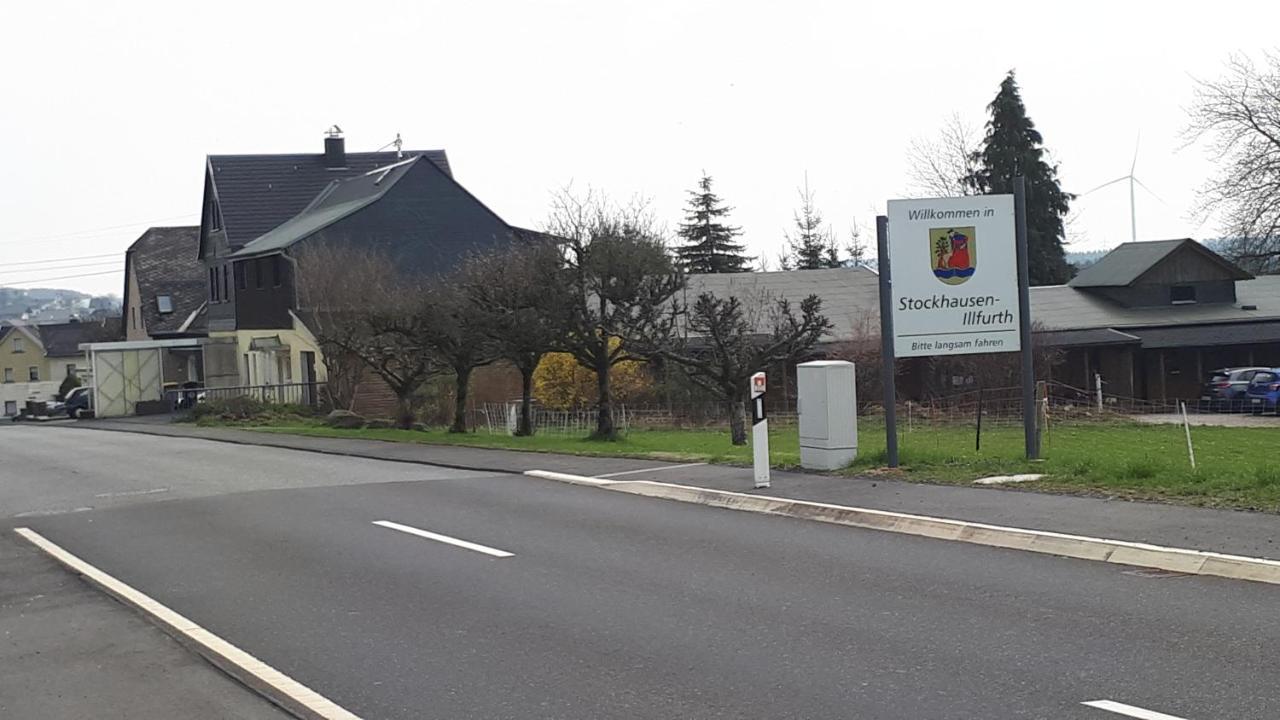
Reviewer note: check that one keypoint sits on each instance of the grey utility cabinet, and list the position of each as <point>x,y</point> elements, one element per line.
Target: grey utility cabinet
<point>827,406</point>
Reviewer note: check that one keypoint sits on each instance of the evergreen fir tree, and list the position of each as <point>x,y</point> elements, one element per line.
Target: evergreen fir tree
<point>812,246</point>
<point>709,245</point>
<point>1013,145</point>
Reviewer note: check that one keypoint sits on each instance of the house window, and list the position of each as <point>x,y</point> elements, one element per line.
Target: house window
<point>71,369</point>
<point>215,216</point>
<point>226,284</point>
<point>276,270</point>
<point>133,317</point>
<point>1182,294</point>
<point>164,303</point>
<point>19,345</point>
<point>257,273</point>
<point>238,271</point>
<point>33,373</point>
<point>8,375</point>
<point>213,285</point>
<point>10,407</point>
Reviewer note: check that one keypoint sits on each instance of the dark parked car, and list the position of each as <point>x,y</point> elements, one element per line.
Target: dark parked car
<point>1264,391</point>
<point>79,402</point>
<point>1226,387</point>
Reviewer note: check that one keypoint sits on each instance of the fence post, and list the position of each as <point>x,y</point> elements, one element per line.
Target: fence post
<point>1097,381</point>
<point>1186,425</point>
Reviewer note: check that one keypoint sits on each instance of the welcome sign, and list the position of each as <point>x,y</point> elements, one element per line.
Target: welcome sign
<point>955,275</point>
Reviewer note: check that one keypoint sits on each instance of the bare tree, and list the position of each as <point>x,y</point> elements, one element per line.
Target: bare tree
<point>1239,115</point>
<point>519,295</point>
<point>730,339</point>
<point>338,287</point>
<point>364,315</point>
<point>455,335</point>
<point>938,166</point>
<point>619,276</point>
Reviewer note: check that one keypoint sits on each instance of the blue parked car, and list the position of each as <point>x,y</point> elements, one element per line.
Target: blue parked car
<point>1263,392</point>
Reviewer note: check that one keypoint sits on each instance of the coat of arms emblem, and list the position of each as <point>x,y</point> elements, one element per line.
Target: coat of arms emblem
<point>953,254</point>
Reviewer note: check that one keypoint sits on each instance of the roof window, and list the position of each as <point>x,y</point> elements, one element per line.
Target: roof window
<point>164,303</point>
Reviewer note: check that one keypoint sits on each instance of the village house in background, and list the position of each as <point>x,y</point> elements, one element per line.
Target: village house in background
<point>35,359</point>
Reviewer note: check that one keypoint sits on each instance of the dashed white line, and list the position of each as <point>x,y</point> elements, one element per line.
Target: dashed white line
<point>444,539</point>
<point>1130,710</point>
<point>647,470</point>
<point>131,493</point>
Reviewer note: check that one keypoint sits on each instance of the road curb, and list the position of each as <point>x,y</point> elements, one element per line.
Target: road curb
<point>273,685</point>
<point>1118,552</point>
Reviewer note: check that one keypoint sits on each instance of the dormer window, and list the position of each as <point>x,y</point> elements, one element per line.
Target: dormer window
<point>1182,294</point>
<point>164,304</point>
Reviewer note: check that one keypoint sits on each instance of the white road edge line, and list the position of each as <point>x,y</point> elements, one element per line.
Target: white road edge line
<point>444,539</point>
<point>1129,710</point>
<point>648,470</point>
<point>252,672</point>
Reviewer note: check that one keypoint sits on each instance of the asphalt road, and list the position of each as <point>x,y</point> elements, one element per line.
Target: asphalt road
<point>619,606</point>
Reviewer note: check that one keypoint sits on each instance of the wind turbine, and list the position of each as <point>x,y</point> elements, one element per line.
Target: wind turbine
<point>1133,180</point>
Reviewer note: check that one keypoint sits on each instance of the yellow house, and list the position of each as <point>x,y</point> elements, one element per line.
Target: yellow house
<point>35,359</point>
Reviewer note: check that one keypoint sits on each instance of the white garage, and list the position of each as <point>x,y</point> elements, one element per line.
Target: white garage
<point>124,374</point>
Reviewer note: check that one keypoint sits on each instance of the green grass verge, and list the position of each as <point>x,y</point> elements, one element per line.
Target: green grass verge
<point>1237,467</point>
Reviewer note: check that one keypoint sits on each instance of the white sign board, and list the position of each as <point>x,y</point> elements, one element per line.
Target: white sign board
<point>955,275</point>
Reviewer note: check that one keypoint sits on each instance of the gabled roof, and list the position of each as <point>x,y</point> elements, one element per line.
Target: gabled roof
<point>1129,261</point>
<point>164,262</point>
<point>1060,307</point>
<point>339,199</point>
<point>850,296</point>
<point>63,339</point>
<point>258,192</point>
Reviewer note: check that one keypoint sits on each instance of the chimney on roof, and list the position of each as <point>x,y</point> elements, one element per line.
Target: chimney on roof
<point>335,151</point>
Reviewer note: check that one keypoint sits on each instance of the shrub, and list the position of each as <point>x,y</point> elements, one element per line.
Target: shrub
<point>69,383</point>
<point>246,409</point>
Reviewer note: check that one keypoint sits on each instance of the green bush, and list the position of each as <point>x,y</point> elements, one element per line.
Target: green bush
<point>69,383</point>
<point>247,410</point>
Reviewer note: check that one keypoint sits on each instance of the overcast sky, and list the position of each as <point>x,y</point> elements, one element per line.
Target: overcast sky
<point>110,108</point>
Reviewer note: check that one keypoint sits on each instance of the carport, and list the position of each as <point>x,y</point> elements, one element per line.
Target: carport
<point>127,374</point>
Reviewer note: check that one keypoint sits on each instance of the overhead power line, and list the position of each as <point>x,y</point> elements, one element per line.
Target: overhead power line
<point>79,234</point>
<point>65,259</point>
<point>64,277</point>
<point>100,263</point>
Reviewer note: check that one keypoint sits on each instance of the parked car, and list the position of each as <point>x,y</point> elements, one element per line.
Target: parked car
<point>1263,392</point>
<point>79,402</point>
<point>1225,388</point>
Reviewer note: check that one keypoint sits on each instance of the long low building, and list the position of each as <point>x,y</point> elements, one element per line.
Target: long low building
<point>1152,318</point>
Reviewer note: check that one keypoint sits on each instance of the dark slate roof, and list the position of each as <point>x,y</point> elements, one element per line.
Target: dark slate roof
<point>1060,307</point>
<point>1080,338</point>
<point>258,192</point>
<point>339,199</point>
<point>165,263</point>
<point>1129,261</point>
<point>63,339</point>
<point>1243,333</point>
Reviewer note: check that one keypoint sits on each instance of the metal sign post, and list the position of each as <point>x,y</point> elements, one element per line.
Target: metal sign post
<point>1029,425</point>
<point>759,432</point>
<point>886,343</point>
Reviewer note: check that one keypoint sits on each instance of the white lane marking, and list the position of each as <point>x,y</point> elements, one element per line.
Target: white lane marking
<point>278,687</point>
<point>131,493</point>
<point>1129,710</point>
<point>646,470</point>
<point>55,511</point>
<point>444,539</point>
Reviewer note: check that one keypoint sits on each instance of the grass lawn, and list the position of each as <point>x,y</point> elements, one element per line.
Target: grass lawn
<point>1237,467</point>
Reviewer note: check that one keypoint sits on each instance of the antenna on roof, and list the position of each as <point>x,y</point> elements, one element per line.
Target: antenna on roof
<point>334,131</point>
<point>399,144</point>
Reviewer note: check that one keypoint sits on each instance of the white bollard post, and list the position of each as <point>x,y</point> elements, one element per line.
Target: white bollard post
<point>759,432</point>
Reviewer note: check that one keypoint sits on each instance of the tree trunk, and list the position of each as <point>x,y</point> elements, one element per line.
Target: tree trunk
<point>738,421</point>
<point>604,403</point>
<point>462,379</point>
<point>404,410</point>
<point>524,426</point>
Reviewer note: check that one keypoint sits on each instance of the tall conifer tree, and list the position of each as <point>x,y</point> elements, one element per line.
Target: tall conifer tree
<point>813,246</point>
<point>709,245</point>
<point>1013,145</point>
